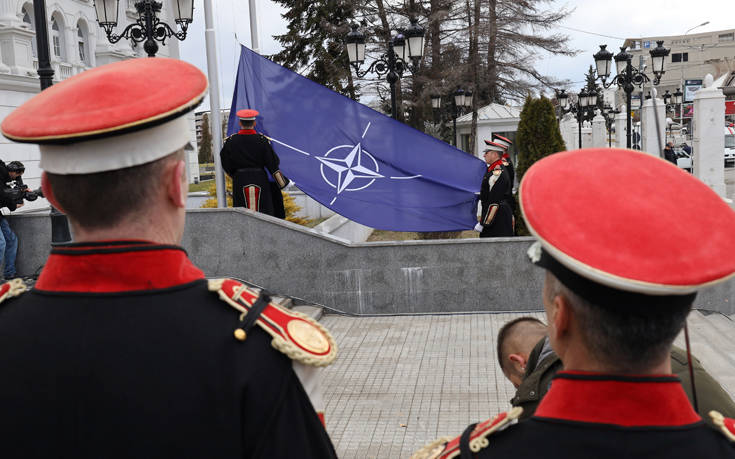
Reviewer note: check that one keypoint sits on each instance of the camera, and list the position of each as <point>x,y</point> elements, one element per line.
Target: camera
<point>16,193</point>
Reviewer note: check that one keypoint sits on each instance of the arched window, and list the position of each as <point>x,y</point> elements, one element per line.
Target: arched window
<point>82,44</point>
<point>57,39</point>
<point>27,11</point>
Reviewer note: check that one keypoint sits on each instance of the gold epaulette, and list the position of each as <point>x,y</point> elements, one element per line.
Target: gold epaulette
<point>447,448</point>
<point>229,137</point>
<point>12,288</point>
<point>295,334</point>
<point>726,425</point>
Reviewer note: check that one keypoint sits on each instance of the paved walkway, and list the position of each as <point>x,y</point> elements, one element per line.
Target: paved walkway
<point>401,382</point>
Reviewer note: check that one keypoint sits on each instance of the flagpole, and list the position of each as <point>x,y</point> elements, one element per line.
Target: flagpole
<point>215,117</point>
<point>254,42</point>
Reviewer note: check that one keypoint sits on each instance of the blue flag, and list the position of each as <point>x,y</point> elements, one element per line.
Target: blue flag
<point>358,162</point>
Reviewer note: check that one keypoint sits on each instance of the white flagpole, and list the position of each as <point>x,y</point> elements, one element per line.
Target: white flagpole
<point>254,42</point>
<point>215,118</point>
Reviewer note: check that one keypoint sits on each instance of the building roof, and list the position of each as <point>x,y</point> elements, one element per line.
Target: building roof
<point>492,112</point>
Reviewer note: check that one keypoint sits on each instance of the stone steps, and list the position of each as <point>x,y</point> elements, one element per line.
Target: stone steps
<point>710,341</point>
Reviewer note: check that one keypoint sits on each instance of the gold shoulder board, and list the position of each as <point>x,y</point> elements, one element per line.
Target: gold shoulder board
<point>726,425</point>
<point>12,288</point>
<point>295,334</point>
<point>446,448</point>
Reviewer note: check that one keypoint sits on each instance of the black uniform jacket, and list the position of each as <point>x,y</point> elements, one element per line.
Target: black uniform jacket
<point>248,149</point>
<point>589,415</point>
<point>496,211</point>
<point>121,352</point>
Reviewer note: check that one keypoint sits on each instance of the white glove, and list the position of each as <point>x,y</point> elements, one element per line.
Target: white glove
<point>479,228</point>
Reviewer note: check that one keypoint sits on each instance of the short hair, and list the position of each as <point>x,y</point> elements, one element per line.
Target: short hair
<point>507,330</point>
<point>624,338</point>
<point>247,123</point>
<point>104,199</point>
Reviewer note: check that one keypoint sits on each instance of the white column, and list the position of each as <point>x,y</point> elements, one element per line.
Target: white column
<point>653,134</point>
<point>708,135</point>
<point>8,14</point>
<point>620,127</point>
<point>599,131</point>
<point>568,127</point>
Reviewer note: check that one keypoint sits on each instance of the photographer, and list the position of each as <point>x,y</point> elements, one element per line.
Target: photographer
<point>11,196</point>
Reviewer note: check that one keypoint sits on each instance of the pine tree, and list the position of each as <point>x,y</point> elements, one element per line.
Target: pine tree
<point>314,43</point>
<point>538,136</point>
<point>205,144</point>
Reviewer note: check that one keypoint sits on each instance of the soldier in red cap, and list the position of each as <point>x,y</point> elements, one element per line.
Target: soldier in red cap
<point>614,306</point>
<point>249,159</point>
<point>505,143</point>
<point>496,211</point>
<point>124,349</point>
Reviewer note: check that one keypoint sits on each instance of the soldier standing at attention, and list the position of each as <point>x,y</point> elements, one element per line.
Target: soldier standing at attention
<point>124,349</point>
<point>613,307</point>
<point>496,216</point>
<point>506,143</point>
<point>249,159</point>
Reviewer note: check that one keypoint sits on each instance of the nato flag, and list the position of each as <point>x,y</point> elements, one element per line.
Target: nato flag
<point>358,162</point>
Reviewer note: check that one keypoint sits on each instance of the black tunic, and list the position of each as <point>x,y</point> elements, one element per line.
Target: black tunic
<point>247,150</point>
<point>122,352</point>
<point>587,415</point>
<point>495,190</point>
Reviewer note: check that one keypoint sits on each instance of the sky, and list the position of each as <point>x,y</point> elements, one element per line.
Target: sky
<point>591,23</point>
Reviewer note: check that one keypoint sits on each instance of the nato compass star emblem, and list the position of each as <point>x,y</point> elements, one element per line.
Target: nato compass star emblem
<point>348,167</point>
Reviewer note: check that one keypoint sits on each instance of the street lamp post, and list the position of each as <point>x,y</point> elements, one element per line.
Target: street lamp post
<point>609,114</point>
<point>628,76</point>
<point>462,99</point>
<point>59,225</point>
<point>394,62</point>
<point>586,102</point>
<point>147,27</point>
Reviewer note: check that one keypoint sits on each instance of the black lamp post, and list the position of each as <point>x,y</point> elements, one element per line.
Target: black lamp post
<point>628,76</point>
<point>436,105</point>
<point>147,27</point>
<point>609,114</point>
<point>586,103</point>
<point>59,225</point>
<point>394,62</point>
<point>462,99</point>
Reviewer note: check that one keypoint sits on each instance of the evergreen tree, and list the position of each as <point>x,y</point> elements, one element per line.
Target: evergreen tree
<point>205,144</point>
<point>314,43</point>
<point>592,86</point>
<point>538,136</point>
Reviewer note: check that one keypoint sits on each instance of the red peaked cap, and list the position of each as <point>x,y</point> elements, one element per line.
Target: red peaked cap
<point>247,114</point>
<point>494,146</point>
<point>108,100</point>
<point>628,221</point>
<point>497,137</point>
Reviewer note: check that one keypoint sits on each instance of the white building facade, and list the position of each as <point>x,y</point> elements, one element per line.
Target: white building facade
<point>76,43</point>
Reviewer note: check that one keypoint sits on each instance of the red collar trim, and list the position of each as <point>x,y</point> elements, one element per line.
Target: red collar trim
<point>247,131</point>
<point>116,266</point>
<point>497,163</point>
<point>626,401</point>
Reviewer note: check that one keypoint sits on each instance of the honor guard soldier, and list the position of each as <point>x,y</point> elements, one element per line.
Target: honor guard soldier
<point>621,277</point>
<point>506,143</point>
<point>496,214</point>
<point>249,159</point>
<point>123,349</point>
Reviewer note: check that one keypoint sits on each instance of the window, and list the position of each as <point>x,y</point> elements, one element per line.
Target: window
<point>685,57</point>
<point>82,43</point>
<point>28,19</point>
<point>680,57</point>
<point>56,37</point>
<point>726,36</point>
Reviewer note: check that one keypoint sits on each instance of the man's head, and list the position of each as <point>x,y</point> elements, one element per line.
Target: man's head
<point>516,340</point>
<point>493,152</point>
<point>247,118</point>
<point>613,299</point>
<point>112,147</point>
<point>15,169</point>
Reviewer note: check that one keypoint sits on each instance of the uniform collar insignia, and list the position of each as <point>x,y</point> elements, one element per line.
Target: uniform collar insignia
<point>247,132</point>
